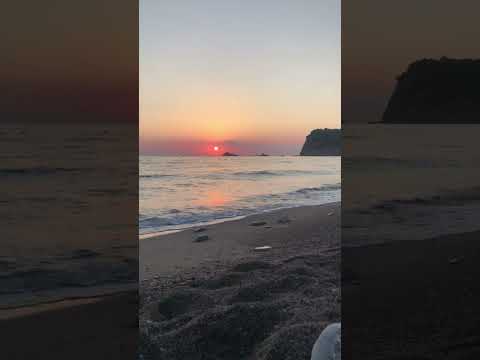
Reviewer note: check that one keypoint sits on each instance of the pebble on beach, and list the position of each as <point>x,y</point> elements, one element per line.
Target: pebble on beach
<point>284,220</point>
<point>202,238</point>
<point>258,223</point>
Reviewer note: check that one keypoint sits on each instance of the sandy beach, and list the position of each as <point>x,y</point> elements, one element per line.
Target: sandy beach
<point>412,299</point>
<point>103,327</point>
<point>208,292</point>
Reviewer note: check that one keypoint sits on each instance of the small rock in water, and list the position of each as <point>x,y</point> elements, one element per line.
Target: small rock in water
<point>199,230</point>
<point>202,238</point>
<point>262,248</point>
<point>258,223</point>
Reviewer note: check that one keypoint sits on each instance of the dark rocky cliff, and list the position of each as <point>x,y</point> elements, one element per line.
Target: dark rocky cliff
<point>436,91</point>
<point>323,142</point>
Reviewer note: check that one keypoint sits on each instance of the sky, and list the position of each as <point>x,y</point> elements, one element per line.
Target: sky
<point>69,62</point>
<point>248,76</point>
<point>381,38</point>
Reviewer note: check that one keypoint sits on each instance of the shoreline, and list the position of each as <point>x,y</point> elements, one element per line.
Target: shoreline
<point>238,238</point>
<point>409,277</point>
<point>42,300</point>
<point>186,227</point>
<point>189,227</point>
<point>415,218</point>
<point>107,324</point>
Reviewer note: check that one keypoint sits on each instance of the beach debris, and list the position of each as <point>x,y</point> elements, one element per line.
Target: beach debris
<point>284,220</point>
<point>262,248</point>
<point>202,238</point>
<point>199,230</point>
<point>455,260</point>
<point>330,213</point>
<point>258,223</point>
<point>179,303</point>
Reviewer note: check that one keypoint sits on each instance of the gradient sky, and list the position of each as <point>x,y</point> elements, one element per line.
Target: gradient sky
<point>381,38</point>
<point>251,76</point>
<point>69,61</point>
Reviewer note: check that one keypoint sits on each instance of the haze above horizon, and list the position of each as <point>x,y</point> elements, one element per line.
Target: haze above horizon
<point>249,77</point>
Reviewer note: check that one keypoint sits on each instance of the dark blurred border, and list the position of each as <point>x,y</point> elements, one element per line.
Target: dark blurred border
<point>69,171</point>
<point>410,199</point>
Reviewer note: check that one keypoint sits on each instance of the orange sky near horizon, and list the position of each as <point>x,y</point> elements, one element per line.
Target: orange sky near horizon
<point>240,76</point>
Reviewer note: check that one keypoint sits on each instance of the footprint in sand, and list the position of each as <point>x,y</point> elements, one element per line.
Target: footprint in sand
<point>179,303</point>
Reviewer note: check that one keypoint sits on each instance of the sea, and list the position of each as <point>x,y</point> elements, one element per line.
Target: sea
<point>409,182</point>
<point>68,210</point>
<point>405,161</point>
<point>181,192</point>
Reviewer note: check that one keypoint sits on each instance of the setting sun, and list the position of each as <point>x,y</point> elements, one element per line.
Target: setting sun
<point>215,148</point>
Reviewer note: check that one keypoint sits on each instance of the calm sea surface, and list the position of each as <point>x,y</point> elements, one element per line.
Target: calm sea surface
<point>409,182</point>
<point>385,162</point>
<point>68,210</point>
<point>179,192</point>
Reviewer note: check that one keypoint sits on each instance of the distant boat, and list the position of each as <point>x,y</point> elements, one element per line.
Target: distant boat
<point>229,154</point>
<point>263,154</point>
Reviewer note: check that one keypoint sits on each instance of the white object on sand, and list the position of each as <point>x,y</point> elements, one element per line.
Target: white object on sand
<point>328,345</point>
<point>262,248</point>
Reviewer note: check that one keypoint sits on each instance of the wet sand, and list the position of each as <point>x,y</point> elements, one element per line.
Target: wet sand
<point>222,299</point>
<point>302,228</point>
<point>103,327</point>
<point>416,299</point>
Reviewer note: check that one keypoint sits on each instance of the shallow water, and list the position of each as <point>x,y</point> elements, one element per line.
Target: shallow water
<point>68,206</point>
<point>177,192</point>
<point>409,182</point>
